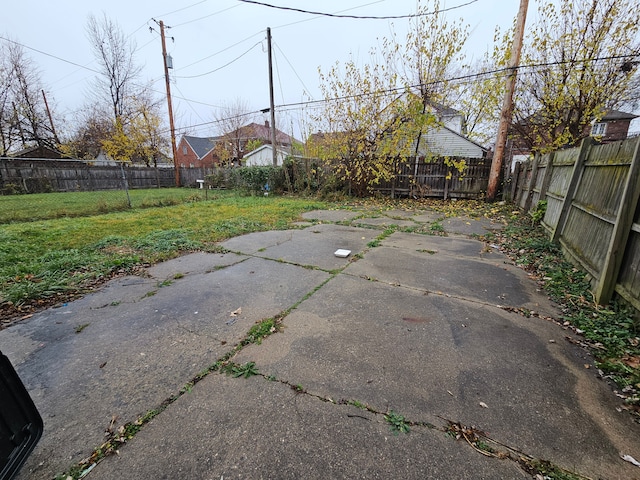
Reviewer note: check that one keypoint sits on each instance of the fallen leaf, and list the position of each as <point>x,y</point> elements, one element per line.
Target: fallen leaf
<point>631,361</point>
<point>236,312</point>
<point>484,405</point>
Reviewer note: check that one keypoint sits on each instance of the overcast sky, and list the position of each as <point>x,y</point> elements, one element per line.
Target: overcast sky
<point>219,46</point>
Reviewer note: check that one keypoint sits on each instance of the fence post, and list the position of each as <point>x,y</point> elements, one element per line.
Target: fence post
<point>576,174</point>
<point>532,182</point>
<point>621,229</point>
<point>393,178</point>
<point>547,175</point>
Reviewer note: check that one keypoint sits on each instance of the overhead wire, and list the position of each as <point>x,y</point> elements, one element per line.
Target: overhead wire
<point>221,51</point>
<point>357,17</point>
<point>292,67</point>
<point>318,16</point>
<point>223,66</point>
<point>204,16</point>
<point>396,90</point>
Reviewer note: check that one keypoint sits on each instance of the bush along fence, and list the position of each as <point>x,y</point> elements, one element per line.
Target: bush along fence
<point>36,175</point>
<point>589,196</point>
<point>439,177</point>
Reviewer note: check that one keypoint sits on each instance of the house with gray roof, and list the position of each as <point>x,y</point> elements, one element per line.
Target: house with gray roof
<point>197,152</point>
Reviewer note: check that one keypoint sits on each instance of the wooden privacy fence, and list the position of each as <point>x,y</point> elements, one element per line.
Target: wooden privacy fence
<point>40,175</point>
<point>592,210</point>
<point>439,177</point>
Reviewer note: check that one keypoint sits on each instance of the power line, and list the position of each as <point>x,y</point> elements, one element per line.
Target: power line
<point>221,51</point>
<point>223,66</point>
<point>292,68</point>
<point>49,55</point>
<point>340,11</point>
<point>357,17</point>
<point>205,16</point>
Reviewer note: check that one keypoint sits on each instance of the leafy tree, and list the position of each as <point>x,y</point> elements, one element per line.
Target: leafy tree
<point>431,53</point>
<point>92,126</point>
<point>366,124</point>
<point>586,51</point>
<point>374,115</point>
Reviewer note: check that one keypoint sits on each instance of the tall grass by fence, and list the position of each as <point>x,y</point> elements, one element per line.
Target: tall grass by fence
<point>591,196</point>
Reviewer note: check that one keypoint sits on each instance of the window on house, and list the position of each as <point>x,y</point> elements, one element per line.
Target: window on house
<point>599,129</point>
<point>184,150</point>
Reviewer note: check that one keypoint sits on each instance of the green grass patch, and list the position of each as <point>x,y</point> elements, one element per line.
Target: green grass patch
<point>45,261</point>
<point>45,206</point>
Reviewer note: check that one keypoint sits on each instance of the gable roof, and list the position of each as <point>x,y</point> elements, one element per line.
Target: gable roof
<point>263,132</point>
<point>618,115</point>
<point>441,140</point>
<point>201,146</point>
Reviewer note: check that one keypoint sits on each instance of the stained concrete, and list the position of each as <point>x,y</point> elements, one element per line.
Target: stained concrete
<point>415,324</point>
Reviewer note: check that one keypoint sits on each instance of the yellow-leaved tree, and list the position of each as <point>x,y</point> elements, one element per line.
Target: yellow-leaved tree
<point>580,60</point>
<point>374,115</point>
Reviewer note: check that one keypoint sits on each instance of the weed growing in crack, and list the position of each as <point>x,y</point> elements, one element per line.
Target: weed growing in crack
<point>397,422</point>
<point>436,227</point>
<point>358,404</point>
<point>548,470</point>
<point>80,328</point>
<point>261,330</point>
<point>245,370</point>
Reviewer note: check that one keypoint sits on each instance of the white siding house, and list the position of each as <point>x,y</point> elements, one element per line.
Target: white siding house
<point>443,141</point>
<point>263,156</point>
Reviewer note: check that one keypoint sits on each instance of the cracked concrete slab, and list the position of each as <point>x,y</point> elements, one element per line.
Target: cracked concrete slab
<point>433,269</point>
<point>425,339</point>
<point>132,355</point>
<point>432,357</point>
<point>332,215</point>
<point>384,222</point>
<point>257,428</point>
<point>314,246</point>
<point>470,226</point>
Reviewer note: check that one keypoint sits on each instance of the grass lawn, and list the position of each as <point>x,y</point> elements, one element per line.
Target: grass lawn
<point>44,206</point>
<point>46,261</point>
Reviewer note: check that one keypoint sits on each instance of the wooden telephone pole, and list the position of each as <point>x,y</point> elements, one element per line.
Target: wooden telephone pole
<point>271,104</point>
<point>507,104</point>
<point>169,107</point>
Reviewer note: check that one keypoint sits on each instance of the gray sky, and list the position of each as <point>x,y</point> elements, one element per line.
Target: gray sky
<point>219,47</point>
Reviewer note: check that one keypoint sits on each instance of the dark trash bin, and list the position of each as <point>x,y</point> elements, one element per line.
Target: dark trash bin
<point>20,423</point>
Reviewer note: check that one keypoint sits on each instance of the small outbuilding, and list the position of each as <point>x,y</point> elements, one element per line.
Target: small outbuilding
<point>263,156</point>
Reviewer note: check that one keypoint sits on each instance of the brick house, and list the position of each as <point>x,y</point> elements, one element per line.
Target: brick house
<point>612,127</point>
<point>197,152</point>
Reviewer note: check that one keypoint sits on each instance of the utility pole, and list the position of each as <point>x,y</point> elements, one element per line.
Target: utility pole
<point>169,107</point>
<point>53,129</point>
<point>507,104</point>
<point>272,106</point>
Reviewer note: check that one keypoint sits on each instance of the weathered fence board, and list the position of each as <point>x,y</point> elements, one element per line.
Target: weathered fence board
<point>439,178</point>
<point>42,175</point>
<point>591,193</point>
